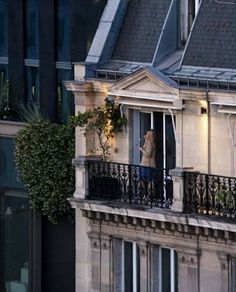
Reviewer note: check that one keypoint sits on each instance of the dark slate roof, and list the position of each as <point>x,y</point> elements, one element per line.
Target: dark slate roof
<point>140,30</point>
<point>157,73</point>
<point>213,39</point>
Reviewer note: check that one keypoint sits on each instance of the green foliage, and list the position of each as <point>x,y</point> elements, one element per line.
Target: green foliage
<point>104,121</point>
<point>4,96</point>
<point>44,152</point>
<point>30,113</point>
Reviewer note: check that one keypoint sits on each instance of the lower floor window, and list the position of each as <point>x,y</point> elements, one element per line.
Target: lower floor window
<point>163,276</point>
<point>168,271</point>
<point>233,273</point>
<point>164,269</point>
<point>126,266</point>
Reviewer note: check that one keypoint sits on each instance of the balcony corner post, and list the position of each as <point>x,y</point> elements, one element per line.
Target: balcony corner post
<point>81,177</point>
<point>178,189</point>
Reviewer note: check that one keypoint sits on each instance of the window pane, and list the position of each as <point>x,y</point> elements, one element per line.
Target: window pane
<point>128,266</point>
<point>145,125</point>
<point>138,269</point>
<point>93,19</point>
<point>32,85</point>
<point>170,144</point>
<point>165,275</point>
<point>32,29</point>
<point>3,72</point>
<point>65,98</point>
<point>176,271</point>
<point>7,164</point>
<point>87,18</point>
<point>4,102</point>
<point>14,251</point>
<point>3,28</point>
<point>63,30</point>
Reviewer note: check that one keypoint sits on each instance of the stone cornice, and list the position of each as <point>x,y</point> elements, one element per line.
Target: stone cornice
<point>160,219</point>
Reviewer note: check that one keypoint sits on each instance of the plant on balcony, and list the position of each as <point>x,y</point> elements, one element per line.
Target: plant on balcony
<point>105,121</point>
<point>44,152</point>
<point>4,100</point>
<point>225,199</point>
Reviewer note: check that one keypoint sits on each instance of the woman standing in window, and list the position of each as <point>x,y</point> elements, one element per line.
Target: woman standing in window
<point>149,149</point>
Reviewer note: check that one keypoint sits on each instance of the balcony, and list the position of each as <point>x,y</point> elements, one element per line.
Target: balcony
<point>210,195</point>
<point>178,190</point>
<point>133,184</point>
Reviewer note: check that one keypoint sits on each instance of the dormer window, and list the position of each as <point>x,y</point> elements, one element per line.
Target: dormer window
<point>189,10</point>
<point>193,6</point>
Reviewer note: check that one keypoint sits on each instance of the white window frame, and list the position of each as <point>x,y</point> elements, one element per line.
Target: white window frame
<point>172,267</point>
<point>134,258</point>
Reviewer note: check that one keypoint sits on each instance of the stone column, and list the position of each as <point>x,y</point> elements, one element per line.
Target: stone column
<point>224,268</point>
<point>83,258</point>
<point>178,189</point>
<point>81,172</point>
<point>100,262</point>
<point>95,261</point>
<point>106,267</point>
<point>144,271</point>
<point>188,270</point>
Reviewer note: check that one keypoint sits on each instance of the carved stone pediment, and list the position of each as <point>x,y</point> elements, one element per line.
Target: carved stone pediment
<point>147,87</point>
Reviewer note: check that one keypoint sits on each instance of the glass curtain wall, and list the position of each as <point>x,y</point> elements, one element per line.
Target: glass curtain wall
<point>65,98</point>
<point>32,85</point>
<point>14,224</point>
<point>32,29</point>
<point>3,28</point>
<point>63,30</point>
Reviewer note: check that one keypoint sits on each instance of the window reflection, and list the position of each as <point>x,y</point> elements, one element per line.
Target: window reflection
<point>14,254</point>
<point>63,33</point>
<point>64,97</point>
<point>3,28</point>
<point>32,28</point>
<point>32,85</point>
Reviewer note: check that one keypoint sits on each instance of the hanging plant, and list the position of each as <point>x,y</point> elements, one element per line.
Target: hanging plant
<point>104,121</point>
<point>44,152</point>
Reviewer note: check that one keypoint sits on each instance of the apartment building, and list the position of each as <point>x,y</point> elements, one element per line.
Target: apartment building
<point>170,65</point>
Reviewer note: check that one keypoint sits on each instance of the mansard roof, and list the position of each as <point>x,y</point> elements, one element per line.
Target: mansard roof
<point>140,30</point>
<point>213,39</point>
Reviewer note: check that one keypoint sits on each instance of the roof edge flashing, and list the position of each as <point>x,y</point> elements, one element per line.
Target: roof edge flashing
<point>107,32</point>
<point>168,40</point>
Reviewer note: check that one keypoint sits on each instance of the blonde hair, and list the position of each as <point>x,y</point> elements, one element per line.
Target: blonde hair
<point>150,137</point>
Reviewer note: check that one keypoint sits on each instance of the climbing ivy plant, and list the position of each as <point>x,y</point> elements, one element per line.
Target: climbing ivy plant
<point>104,121</point>
<point>44,151</point>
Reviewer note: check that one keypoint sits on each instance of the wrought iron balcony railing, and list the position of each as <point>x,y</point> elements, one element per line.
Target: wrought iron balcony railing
<point>133,184</point>
<point>210,194</point>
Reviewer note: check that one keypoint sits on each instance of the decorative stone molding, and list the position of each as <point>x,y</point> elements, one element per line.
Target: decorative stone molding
<point>143,248</point>
<point>188,258</point>
<point>105,242</point>
<point>161,227</point>
<point>95,240</point>
<point>224,259</point>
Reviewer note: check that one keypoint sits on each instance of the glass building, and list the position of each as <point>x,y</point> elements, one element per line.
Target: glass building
<point>39,42</point>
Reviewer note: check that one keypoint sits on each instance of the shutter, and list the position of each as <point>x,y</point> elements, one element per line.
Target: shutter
<point>233,274</point>
<point>155,269</point>
<point>117,264</point>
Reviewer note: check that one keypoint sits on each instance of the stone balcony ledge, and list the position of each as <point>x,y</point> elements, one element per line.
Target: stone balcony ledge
<point>155,214</point>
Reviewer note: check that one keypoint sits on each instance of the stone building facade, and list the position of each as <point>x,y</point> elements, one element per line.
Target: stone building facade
<point>180,235</point>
